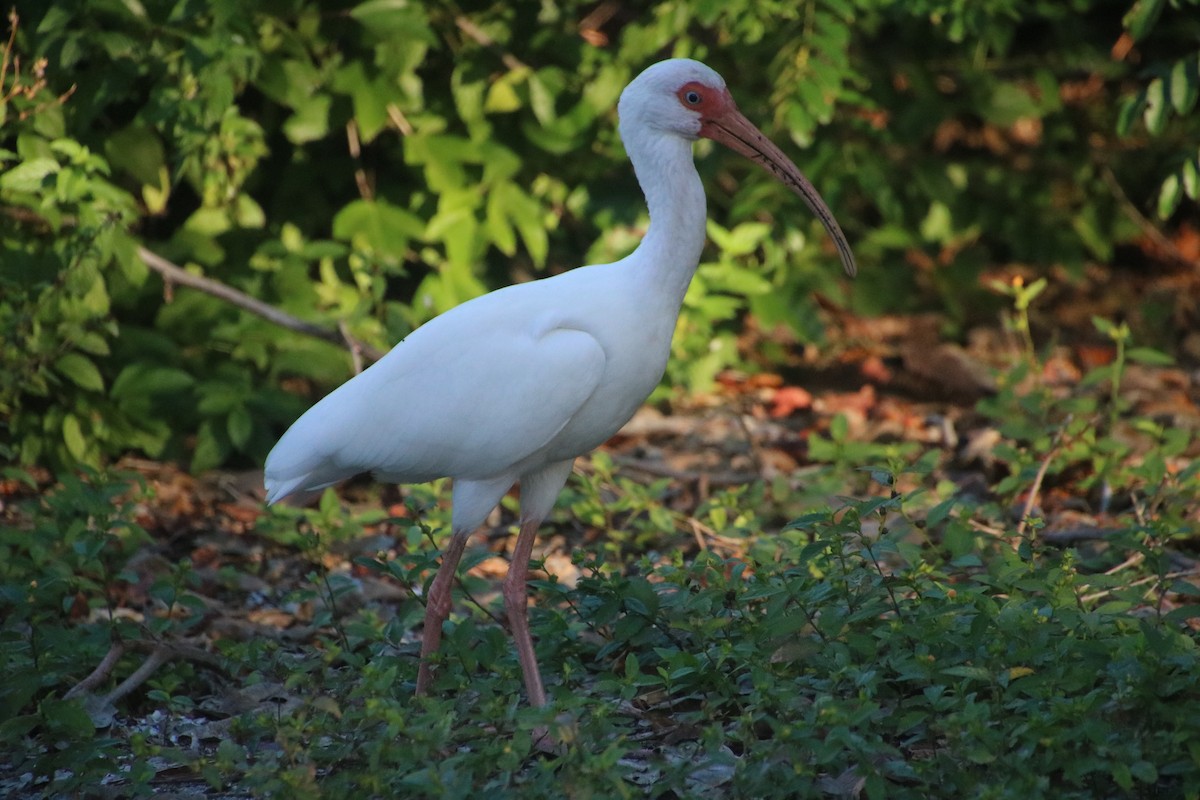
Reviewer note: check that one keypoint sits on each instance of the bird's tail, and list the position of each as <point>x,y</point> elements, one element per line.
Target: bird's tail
<point>299,463</point>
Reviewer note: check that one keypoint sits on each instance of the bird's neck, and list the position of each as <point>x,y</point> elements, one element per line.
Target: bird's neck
<point>670,251</point>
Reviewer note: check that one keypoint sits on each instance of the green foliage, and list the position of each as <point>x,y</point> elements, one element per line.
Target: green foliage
<point>849,649</point>
<point>58,574</point>
<point>371,164</point>
<point>1169,89</point>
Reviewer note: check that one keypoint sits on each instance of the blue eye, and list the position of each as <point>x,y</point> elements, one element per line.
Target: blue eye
<point>692,97</point>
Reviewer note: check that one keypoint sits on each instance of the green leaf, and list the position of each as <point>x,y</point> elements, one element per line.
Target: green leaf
<point>81,371</point>
<point>496,223</point>
<point>138,150</point>
<point>1155,115</point>
<point>1105,327</point>
<point>1150,356</point>
<point>938,225</point>
<point>386,18</point>
<point>311,120</point>
<point>1121,775</point>
<point>28,176</point>
<point>377,226</point>
<point>140,379</point>
<point>839,428</point>
<point>1169,196</point>
<point>239,426</point>
<point>1180,586</point>
<point>541,100</point>
<point>502,97</point>
<point>1190,175</point>
<point>742,240</point>
<point>1144,771</point>
<point>1142,17</point>
<point>73,437</point>
<point>1131,108</point>
<point>1010,102</point>
<point>210,450</point>
<point>1185,84</point>
<point>370,97</point>
<point>808,522</point>
<point>67,719</point>
<point>965,671</point>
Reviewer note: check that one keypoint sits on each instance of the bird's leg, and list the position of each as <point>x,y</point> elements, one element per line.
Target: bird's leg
<point>437,607</point>
<point>516,601</point>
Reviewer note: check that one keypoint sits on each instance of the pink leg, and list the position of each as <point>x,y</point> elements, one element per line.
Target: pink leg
<point>437,607</point>
<point>516,601</point>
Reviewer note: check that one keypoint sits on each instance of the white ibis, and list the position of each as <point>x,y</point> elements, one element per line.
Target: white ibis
<point>510,387</point>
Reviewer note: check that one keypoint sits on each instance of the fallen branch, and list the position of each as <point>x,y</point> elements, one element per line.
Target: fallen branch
<point>101,707</point>
<point>174,274</point>
<point>99,674</point>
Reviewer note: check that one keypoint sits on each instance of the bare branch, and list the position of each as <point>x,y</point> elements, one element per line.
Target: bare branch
<point>175,274</point>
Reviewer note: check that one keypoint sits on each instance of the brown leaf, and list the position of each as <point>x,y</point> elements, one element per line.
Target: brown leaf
<point>789,399</point>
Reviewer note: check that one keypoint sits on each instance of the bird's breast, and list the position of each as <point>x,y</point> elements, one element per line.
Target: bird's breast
<point>635,358</point>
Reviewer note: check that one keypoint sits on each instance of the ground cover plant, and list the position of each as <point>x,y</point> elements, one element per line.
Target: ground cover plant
<point>932,535</point>
<point>899,618</point>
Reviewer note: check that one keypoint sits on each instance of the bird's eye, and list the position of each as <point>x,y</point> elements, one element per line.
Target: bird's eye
<point>693,97</point>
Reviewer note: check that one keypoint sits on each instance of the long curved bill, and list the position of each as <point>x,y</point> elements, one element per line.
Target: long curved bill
<point>740,135</point>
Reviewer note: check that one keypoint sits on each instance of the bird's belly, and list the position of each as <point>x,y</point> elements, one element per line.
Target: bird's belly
<point>629,382</point>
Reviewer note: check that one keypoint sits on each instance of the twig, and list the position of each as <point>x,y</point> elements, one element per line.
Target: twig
<point>354,345</point>
<point>1031,501</point>
<point>1088,598</point>
<point>1132,561</point>
<point>174,274</point>
<point>353,143</point>
<point>399,120</point>
<point>6,56</point>
<point>1147,227</point>
<point>479,35</point>
<point>18,88</point>
<point>983,527</point>
<point>590,25</point>
<point>704,532</point>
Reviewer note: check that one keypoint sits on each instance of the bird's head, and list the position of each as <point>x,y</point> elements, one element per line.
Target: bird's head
<point>689,100</point>
<point>678,96</point>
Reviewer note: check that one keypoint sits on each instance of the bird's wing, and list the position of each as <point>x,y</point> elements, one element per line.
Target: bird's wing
<point>488,406</point>
<point>451,400</point>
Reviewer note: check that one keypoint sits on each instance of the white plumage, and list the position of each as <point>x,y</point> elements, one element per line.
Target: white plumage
<point>512,386</point>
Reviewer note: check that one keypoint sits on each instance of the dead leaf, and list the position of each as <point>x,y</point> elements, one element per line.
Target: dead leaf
<point>789,399</point>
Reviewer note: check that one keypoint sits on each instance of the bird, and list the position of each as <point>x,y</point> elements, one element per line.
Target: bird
<point>509,388</point>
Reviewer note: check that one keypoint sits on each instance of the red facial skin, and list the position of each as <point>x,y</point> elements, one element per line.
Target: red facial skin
<point>721,121</point>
